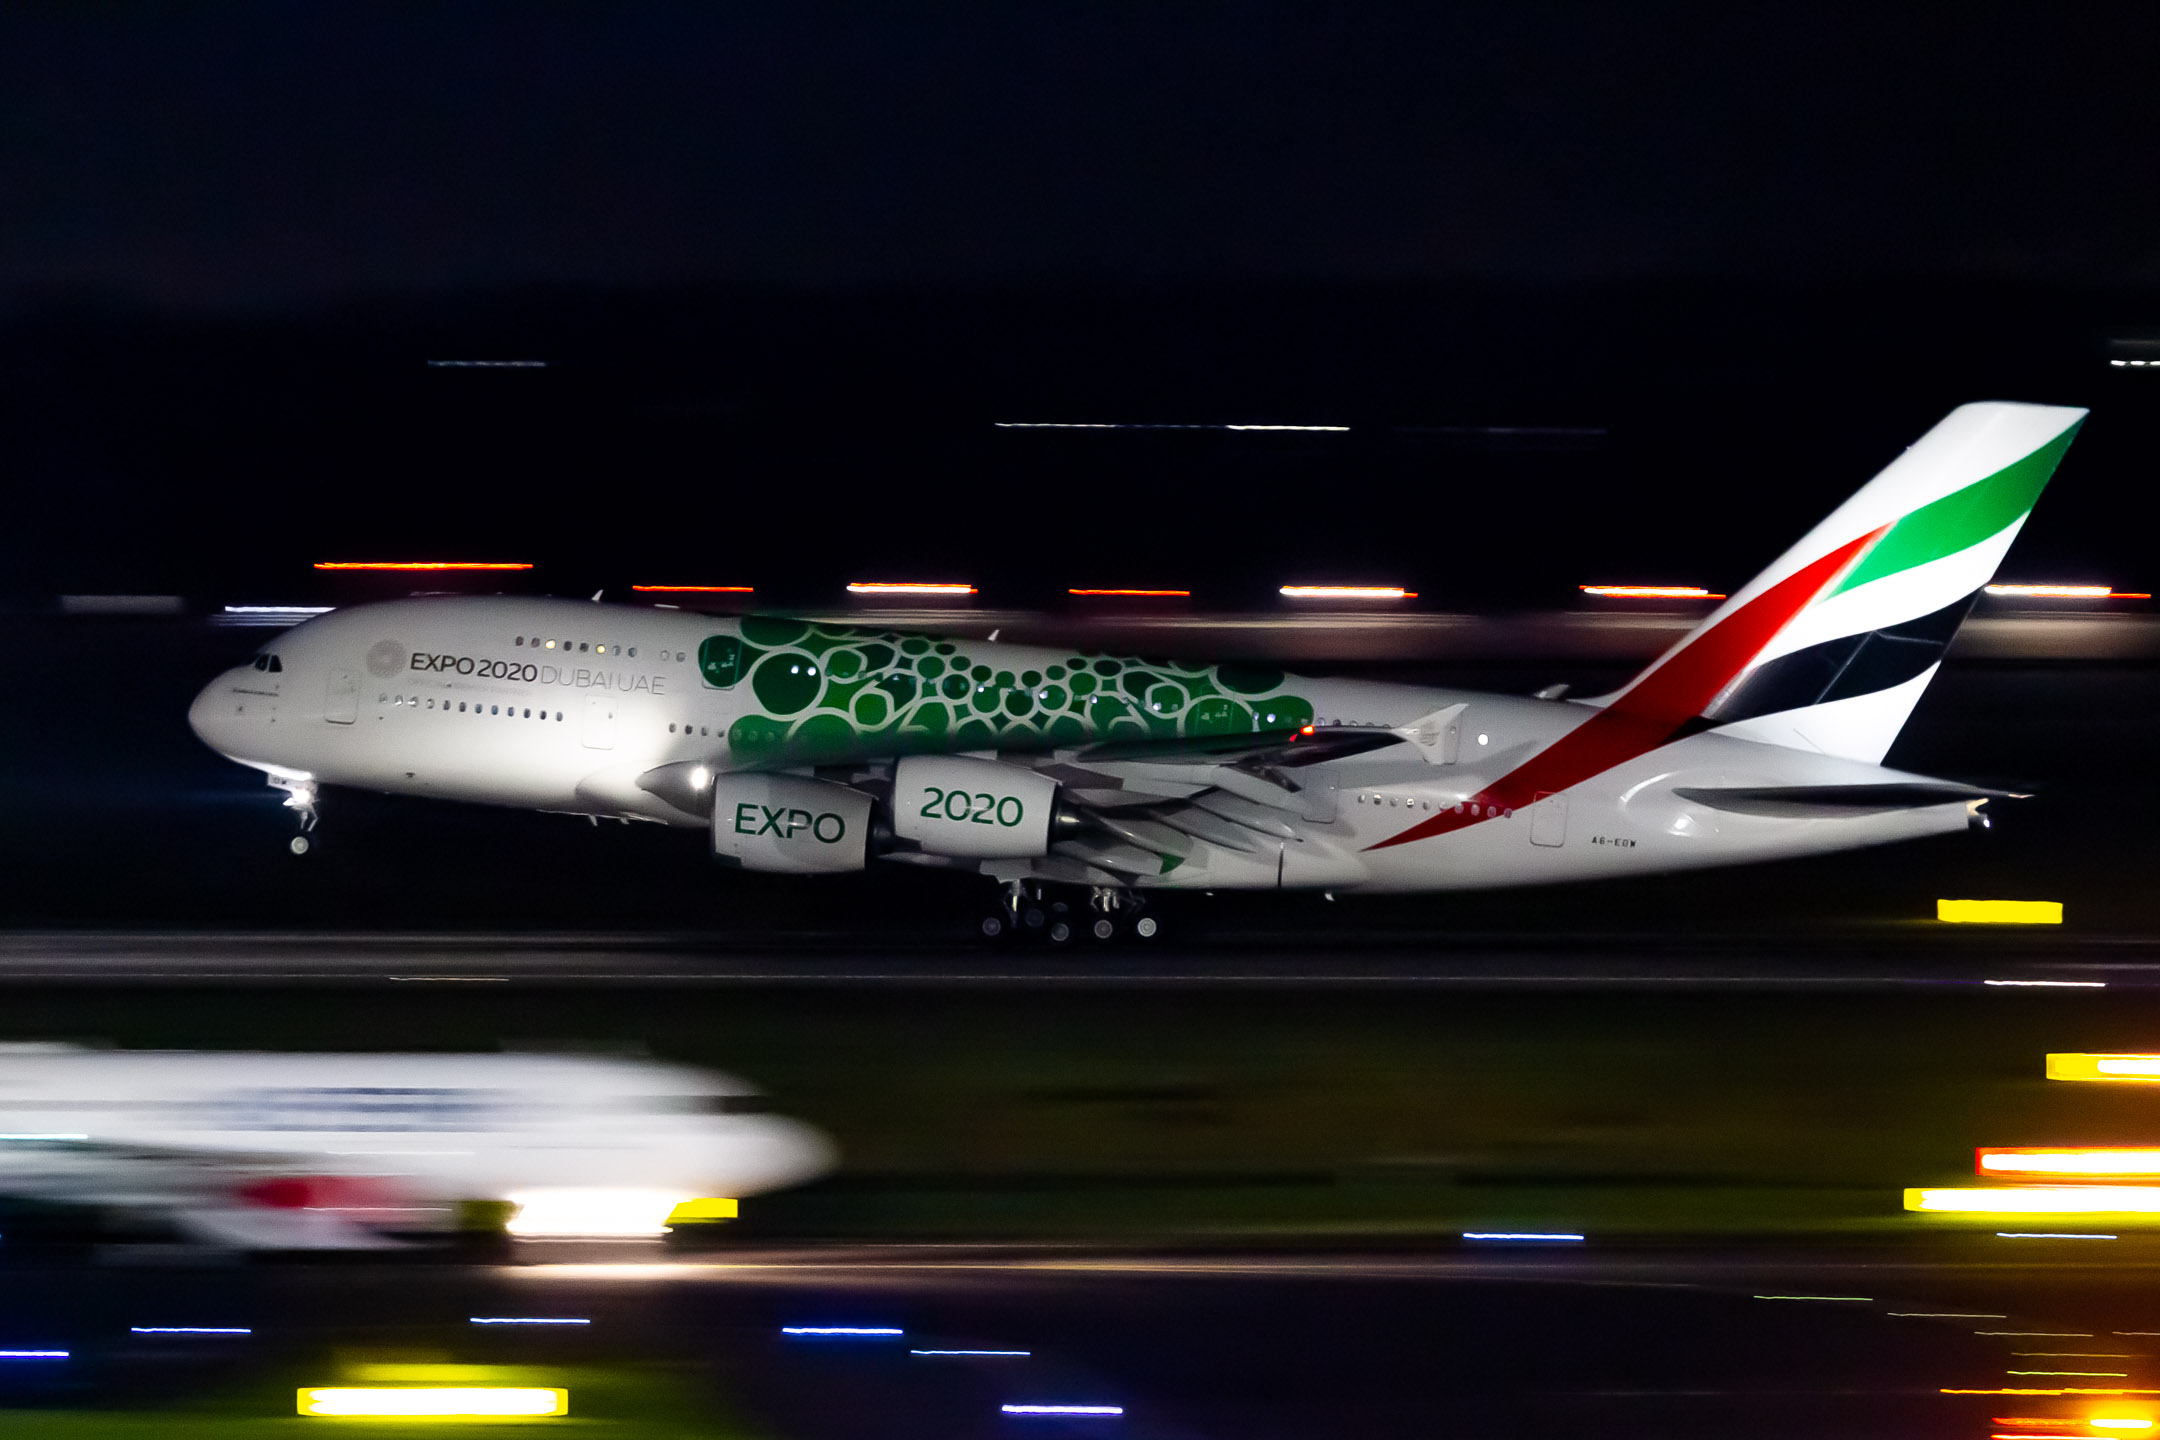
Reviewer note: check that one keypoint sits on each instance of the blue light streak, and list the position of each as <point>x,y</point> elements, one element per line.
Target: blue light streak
<point>970,1352</point>
<point>189,1330</point>
<point>33,1354</point>
<point>525,1320</point>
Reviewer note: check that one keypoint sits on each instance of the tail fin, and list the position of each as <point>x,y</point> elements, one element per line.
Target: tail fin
<point>1829,648</point>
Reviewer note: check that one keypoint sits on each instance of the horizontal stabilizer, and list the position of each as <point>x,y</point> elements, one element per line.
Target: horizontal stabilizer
<point>1831,802</point>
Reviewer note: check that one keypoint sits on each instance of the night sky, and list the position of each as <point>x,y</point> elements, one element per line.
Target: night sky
<point>780,256</point>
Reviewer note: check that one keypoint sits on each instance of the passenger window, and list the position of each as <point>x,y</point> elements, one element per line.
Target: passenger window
<point>520,640</point>
<point>633,652</point>
<point>461,707</point>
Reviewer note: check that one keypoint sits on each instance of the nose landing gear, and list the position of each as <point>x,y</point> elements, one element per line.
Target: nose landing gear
<point>300,799</point>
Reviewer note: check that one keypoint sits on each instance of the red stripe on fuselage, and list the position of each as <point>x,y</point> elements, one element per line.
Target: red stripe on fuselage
<point>1651,711</point>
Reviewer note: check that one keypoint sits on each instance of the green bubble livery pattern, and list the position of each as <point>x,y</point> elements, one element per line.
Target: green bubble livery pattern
<point>819,692</point>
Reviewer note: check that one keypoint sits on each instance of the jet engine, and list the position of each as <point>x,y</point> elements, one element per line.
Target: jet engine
<point>789,824</point>
<point>957,805</point>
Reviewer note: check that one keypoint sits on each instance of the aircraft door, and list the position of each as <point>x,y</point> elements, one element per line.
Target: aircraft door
<point>1548,819</point>
<point>599,722</point>
<point>341,698</point>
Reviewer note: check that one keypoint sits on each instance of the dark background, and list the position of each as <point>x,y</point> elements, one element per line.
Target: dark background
<point>788,266</point>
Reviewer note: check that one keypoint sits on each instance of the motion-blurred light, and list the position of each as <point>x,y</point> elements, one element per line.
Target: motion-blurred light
<point>2115,1069</point>
<point>2111,1161</point>
<point>1999,912</point>
<point>442,1402</point>
<point>2038,1200</point>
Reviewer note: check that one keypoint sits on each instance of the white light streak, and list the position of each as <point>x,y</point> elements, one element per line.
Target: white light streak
<point>2050,1235</point>
<point>970,1352</point>
<point>2048,984</point>
<point>893,587</point>
<point>1063,1409</point>
<point>1517,1235</point>
<point>1347,592</point>
<point>33,1354</point>
<point>189,1330</point>
<point>841,1330</point>
<point>41,1135</point>
<point>1117,425</point>
<point>526,1320</point>
<point>591,1213</point>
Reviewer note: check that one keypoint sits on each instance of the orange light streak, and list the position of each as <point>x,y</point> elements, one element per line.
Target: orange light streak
<point>422,565</point>
<point>2041,1422</point>
<point>695,589</point>
<point>2096,1161</point>
<point>1130,592</point>
<point>1651,592</point>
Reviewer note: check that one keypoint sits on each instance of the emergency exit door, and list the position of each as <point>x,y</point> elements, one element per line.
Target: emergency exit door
<point>341,698</point>
<point>1548,819</point>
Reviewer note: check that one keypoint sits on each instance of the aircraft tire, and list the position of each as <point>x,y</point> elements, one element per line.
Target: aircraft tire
<point>1060,932</point>
<point>1103,928</point>
<point>299,844</point>
<point>1147,927</point>
<point>995,926</point>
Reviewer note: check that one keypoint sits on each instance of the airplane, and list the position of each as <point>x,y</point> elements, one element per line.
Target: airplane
<point>260,1151</point>
<point>801,747</point>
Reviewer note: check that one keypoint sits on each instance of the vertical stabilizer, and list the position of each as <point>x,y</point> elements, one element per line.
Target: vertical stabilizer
<point>1830,648</point>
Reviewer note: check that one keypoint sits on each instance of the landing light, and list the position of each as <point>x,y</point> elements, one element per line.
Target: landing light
<point>1650,592</point>
<point>597,1212</point>
<point>1347,592</point>
<point>434,1401</point>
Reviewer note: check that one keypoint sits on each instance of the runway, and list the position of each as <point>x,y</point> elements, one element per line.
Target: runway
<point>1912,956</point>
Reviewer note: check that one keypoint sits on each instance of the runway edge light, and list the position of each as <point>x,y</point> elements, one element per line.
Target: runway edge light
<point>2110,1069</point>
<point>1999,912</point>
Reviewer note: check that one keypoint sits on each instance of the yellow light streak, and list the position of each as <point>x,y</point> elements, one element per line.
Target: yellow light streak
<point>1999,912</point>
<point>2115,1069</point>
<point>446,1402</point>
<point>692,1212</point>
<point>2112,1160</point>
<point>2119,1422</point>
<point>2038,1200</point>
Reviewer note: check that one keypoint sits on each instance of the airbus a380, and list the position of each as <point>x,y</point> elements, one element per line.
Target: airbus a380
<point>809,748</point>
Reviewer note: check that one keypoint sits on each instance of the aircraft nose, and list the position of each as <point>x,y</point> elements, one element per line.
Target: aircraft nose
<point>216,714</point>
<point>768,1152</point>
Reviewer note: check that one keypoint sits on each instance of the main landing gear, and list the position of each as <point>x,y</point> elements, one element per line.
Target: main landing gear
<point>300,799</point>
<point>1028,913</point>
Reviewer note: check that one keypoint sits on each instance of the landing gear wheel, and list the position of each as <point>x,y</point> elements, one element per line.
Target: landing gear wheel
<point>1060,932</point>
<point>1103,928</point>
<point>299,844</point>
<point>1032,919</point>
<point>995,925</point>
<point>1147,927</point>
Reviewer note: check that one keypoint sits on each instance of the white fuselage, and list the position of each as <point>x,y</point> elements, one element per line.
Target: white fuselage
<point>400,1134</point>
<point>561,706</point>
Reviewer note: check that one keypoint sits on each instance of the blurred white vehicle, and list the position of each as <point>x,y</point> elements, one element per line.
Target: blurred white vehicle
<point>297,1151</point>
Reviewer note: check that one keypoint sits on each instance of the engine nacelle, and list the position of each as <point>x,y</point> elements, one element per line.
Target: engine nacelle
<point>957,805</point>
<point>788,824</point>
